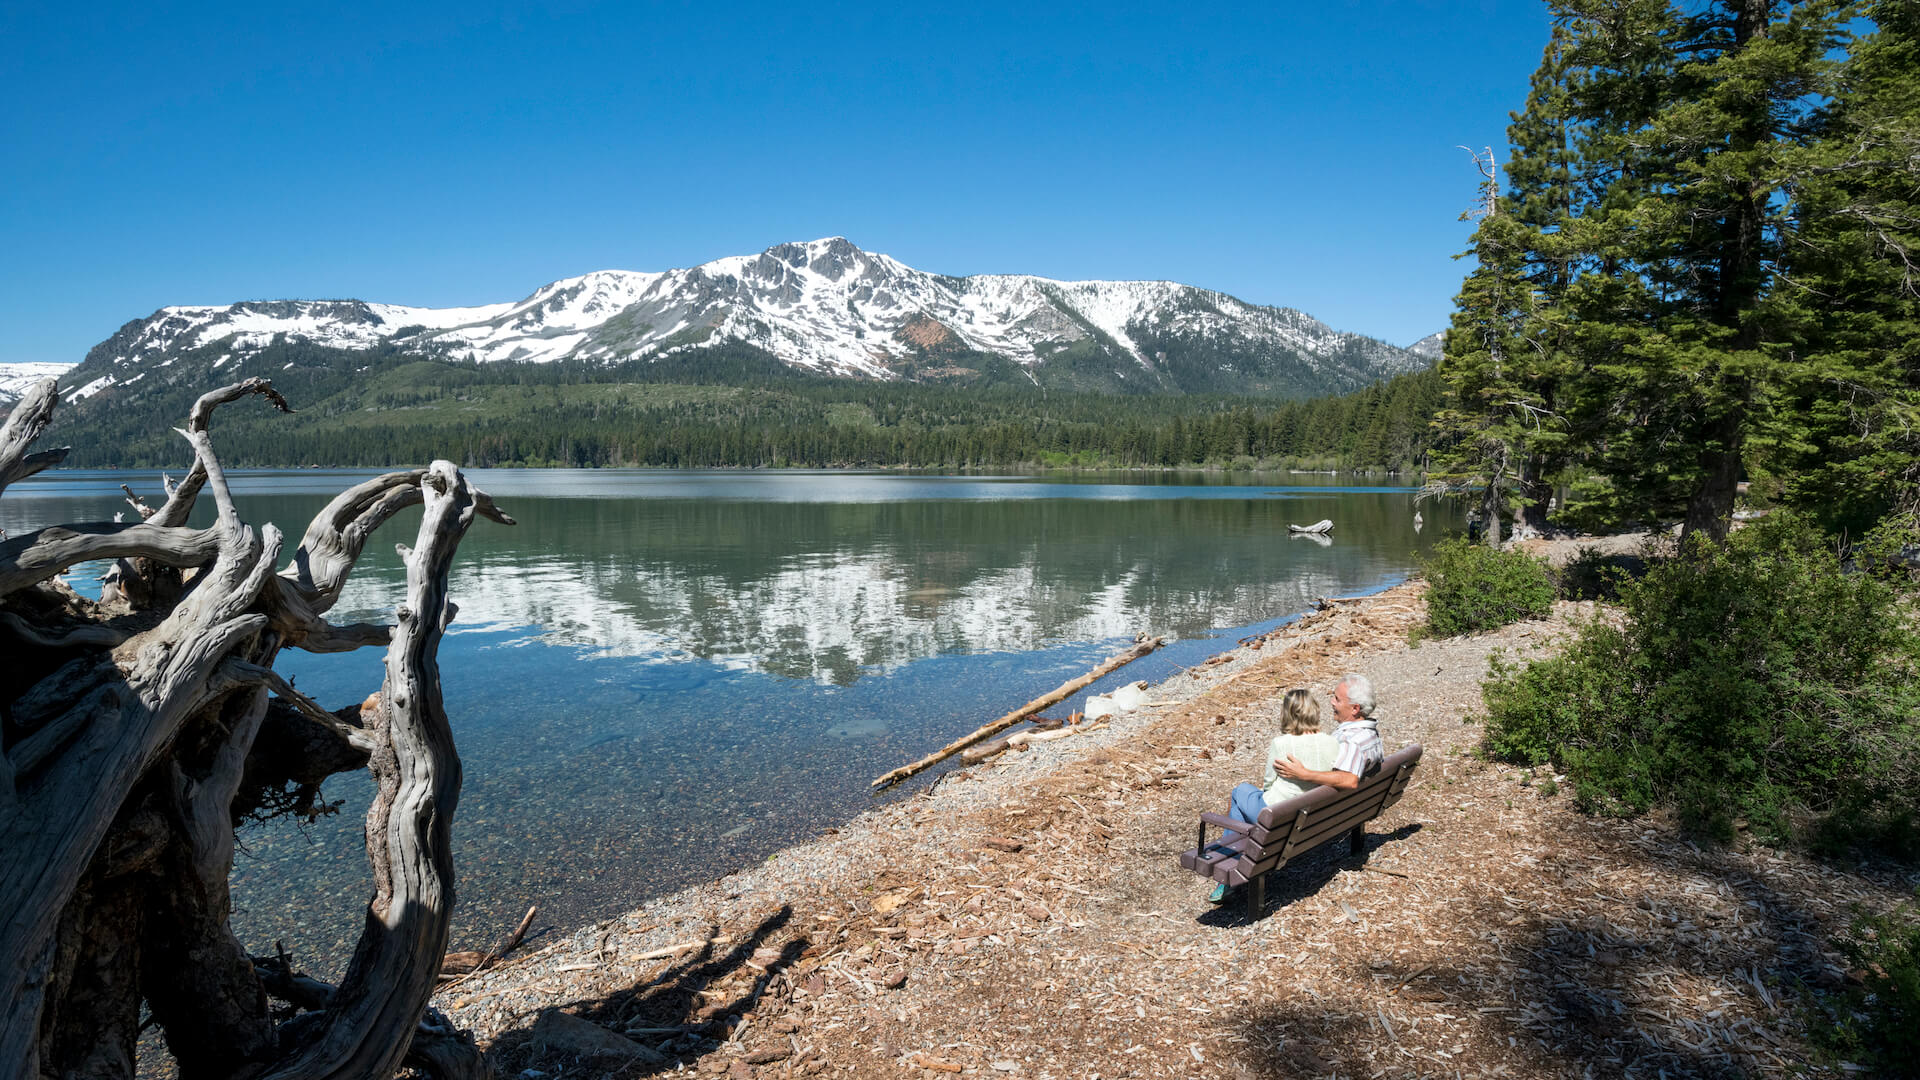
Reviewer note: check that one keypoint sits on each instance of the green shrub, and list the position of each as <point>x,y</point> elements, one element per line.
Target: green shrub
<point>1877,1024</point>
<point>1473,587</point>
<point>1752,679</point>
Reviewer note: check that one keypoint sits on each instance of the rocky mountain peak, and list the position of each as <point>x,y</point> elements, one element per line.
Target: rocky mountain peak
<point>824,306</point>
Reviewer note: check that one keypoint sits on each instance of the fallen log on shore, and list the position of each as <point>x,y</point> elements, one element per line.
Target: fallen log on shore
<point>1059,693</point>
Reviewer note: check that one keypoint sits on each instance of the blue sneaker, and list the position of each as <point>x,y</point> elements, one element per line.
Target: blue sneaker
<point>1218,895</point>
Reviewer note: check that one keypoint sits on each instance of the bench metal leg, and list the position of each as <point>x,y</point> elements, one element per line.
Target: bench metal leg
<point>1357,844</point>
<point>1256,896</point>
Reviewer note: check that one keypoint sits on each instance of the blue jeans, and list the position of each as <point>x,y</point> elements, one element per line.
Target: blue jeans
<point>1248,801</point>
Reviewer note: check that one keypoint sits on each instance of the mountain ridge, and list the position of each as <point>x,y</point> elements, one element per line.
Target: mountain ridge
<point>822,307</point>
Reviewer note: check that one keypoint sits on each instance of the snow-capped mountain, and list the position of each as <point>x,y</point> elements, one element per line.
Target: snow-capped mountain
<point>15,378</point>
<point>825,307</point>
<point>1429,348</point>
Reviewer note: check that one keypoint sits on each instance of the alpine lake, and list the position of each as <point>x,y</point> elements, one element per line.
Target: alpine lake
<point>659,677</point>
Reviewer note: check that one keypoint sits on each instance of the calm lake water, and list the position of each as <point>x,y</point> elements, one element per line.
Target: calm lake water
<point>659,677</point>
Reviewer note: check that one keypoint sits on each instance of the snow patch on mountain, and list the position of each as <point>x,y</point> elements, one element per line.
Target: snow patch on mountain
<point>825,306</point>
<point>16,379</point>
<point>1429,347</point>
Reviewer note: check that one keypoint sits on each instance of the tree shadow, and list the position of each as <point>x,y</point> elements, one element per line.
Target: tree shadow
<point>677,1014</point>
<point>1302,878</point>
<point>1634,990</point>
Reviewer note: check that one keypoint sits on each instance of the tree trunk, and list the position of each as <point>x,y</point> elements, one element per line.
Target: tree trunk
<point>1710,509</point>
<point>1535,494</point>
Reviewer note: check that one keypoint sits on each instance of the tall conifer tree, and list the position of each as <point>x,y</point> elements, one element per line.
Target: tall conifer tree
<point>1849,448</point>
<point>1483,427</point>
<point>1503,435</point>
<point>1689,124</point>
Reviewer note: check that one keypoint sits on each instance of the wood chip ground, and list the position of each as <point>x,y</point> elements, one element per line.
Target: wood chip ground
<point>1029,918</point>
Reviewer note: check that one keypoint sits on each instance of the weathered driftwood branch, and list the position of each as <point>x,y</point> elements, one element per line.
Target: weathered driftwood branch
<point>1058,694</point>
<point>435,1049</point>
<point>127,758</point>
<point>338,534</point>
<point>139,504</point>
<point>246,674</point>
<point>96,727</point>
<point>467,963</point>
<point>34,557</point>
<point>370,1019</point>
<point>180,497</point>
<point>62,638</point>
<point>28,419</point>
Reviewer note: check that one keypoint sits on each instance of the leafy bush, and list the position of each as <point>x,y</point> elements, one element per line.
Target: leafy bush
<point>1473,587</point>
<point>1751,679</point>
<point>1877,1024</point>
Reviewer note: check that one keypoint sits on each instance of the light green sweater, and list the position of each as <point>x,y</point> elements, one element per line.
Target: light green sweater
<point>1315,751</point>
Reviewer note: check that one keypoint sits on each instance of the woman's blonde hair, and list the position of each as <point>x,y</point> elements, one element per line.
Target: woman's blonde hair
<point>1300,713</point>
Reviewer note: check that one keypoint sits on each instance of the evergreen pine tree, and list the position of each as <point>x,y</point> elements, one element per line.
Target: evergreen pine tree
<point>1849,446</point>
<point>1483,426</point>
<point>1688,125</point>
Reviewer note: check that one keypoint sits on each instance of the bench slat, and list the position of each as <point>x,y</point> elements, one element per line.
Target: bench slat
<point>1402,777</point>
<point>1330,826</point>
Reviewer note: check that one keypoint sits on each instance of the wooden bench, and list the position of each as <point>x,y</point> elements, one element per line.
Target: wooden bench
<point>1289,829</point>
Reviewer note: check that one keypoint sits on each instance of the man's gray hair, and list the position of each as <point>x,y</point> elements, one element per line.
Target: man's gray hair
<point>1359,691</point>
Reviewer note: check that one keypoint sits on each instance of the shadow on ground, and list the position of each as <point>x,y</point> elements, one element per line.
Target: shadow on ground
<point>1648,987</point>
<point>679,1016</point>
<point>1303,877</point>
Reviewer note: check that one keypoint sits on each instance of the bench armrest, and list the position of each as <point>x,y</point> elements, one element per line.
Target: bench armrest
<point>1224,822</point>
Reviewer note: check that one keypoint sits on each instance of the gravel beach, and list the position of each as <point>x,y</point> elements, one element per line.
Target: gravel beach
<point>1028,916</point>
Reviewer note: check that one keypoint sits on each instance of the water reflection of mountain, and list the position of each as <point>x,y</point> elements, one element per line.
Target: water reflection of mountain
<point>824,591</point>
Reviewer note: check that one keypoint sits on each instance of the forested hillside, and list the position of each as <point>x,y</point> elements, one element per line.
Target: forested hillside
<point>739,408</point>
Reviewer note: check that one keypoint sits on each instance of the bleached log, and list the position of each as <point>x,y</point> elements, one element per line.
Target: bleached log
<point>139,504</point>
<point>181,496</point>
<point>29,418</point>
<point>988,731</point>
<point>337,535</point>
<point>69,637</point>
<point>134,757</point>
<point>113,724</point>
<point>37,556</point>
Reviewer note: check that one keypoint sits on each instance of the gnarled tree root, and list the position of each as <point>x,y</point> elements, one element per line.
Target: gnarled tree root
<point>129,754</point>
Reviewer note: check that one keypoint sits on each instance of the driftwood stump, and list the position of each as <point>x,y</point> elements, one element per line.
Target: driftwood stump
<point>138,731</point>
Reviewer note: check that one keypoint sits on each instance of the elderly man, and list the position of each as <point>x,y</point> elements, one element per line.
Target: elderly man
<point>1358,736</point>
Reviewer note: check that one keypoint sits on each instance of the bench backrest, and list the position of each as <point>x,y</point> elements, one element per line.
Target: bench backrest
<point>1306,821</point>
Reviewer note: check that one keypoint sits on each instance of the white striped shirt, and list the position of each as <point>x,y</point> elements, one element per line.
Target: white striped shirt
<point>1360,747</point>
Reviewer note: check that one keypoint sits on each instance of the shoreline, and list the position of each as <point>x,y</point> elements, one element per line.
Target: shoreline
<point>1027,915</point>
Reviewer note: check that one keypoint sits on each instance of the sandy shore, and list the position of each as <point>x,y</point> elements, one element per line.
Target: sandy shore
<point>1028,917</point>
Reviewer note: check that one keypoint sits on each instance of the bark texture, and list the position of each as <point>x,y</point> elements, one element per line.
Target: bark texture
<point>137,731</point>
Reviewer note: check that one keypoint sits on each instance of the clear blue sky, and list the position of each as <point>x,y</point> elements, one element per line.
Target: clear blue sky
<point>1298,154</point>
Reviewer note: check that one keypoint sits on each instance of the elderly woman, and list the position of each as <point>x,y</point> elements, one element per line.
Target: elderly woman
<point>1300,739</point>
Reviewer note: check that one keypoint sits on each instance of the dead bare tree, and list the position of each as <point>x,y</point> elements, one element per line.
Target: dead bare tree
<point>138,730</point>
